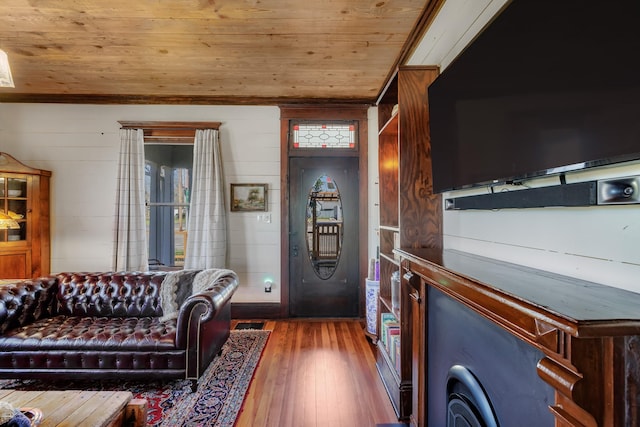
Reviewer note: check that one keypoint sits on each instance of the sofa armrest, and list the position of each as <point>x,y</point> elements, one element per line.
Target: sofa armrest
<point>203,307</point>
<point>24,302</point>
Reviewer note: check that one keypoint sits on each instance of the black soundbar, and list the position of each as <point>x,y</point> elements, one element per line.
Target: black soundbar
<point>578,194</point>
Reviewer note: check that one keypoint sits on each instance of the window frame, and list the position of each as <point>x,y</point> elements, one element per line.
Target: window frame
<point>169,133</point>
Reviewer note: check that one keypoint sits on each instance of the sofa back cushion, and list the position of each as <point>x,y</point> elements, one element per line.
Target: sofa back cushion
<point>121,294</point>
<point>26,301</point>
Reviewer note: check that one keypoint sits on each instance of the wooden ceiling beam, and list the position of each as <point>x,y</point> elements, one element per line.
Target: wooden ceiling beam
<point>173,100</point>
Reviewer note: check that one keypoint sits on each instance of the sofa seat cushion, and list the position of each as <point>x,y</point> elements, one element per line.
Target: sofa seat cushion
<point>136,334</point>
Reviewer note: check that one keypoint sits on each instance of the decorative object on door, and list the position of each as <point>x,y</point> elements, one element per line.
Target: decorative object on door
<point>248,197</point>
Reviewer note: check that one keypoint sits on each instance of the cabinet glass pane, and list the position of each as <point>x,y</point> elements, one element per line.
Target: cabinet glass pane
<point>16,187</point>
<point>18,211</point>
<point>2,185</point>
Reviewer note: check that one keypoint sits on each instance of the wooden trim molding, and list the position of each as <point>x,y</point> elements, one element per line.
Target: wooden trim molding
<point>168,132</point>
<point>168,125</point>
<point>259,310</point>
<point>326,112</point>
<point>101,99</point>
<point>429,13</point>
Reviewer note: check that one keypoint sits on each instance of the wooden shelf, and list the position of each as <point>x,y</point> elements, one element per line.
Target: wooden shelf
<point>385,354</point>
<point>390,258</point>
<point>387,307</point>
<point>410,215</point>
<point>390,127</point>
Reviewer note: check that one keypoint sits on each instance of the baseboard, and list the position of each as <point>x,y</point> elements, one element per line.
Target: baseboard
<point>256,310</point>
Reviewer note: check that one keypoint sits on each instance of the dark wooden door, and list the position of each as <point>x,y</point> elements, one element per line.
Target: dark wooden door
<point>313,291</point>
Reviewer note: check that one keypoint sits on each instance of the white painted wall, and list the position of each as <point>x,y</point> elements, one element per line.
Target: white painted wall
<point>599,244</point>
<point>80,144</point>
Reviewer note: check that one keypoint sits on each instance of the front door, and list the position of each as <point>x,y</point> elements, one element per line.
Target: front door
<point>323,237</point>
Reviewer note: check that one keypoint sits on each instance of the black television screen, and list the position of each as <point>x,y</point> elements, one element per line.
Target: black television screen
<point>548,86</point>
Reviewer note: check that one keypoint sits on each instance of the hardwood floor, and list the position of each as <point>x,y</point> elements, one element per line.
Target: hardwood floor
<point>318,372</point>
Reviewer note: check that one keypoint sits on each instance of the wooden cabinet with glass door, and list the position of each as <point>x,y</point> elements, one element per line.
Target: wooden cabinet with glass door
<point>24,220</point>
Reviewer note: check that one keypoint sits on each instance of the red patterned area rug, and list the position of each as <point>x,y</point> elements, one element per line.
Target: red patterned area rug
<point>220,395</point>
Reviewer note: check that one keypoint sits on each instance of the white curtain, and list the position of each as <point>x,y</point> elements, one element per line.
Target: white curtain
<point>130,240</point>
<point>207,226</point>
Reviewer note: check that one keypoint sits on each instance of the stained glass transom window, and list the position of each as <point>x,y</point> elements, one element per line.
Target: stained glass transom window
<point>324,135</point>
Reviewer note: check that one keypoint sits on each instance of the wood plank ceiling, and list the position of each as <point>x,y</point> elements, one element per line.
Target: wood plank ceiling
<point>207,51</point>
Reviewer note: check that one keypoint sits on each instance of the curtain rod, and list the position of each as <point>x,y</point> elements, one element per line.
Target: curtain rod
<point>169,125</point>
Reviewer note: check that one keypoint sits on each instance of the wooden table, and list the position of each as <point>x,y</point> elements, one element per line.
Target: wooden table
<point>74,408</point>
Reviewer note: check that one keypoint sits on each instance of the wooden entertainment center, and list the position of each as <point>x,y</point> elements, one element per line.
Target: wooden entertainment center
<point>575,344</point>
<point>587,335</point>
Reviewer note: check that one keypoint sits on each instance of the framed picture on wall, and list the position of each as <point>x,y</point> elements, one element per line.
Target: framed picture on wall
<point>248,197</point>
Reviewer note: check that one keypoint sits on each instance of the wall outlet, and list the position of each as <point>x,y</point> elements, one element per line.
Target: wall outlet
<point>268,284</point>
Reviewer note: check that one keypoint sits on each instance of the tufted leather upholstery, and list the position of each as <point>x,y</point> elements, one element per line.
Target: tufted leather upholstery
<point>23,303</point>
<point>110,295</point>
<point>105,325</point>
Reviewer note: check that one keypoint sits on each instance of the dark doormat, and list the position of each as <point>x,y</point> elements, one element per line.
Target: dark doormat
<point>249,325</point>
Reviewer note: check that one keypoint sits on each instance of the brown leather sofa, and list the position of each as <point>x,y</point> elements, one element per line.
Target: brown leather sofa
<point>112,325</point>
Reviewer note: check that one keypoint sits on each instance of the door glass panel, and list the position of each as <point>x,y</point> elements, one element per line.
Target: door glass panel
<point>324,226</point>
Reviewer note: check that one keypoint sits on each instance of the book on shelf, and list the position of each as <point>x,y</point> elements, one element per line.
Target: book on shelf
<point>395,352</point>
<point>389,326</point>
<point>393,333</point>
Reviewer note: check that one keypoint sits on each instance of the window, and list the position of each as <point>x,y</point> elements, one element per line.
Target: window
<point>168,169</point>
<point>328,134</point>
<point>167,188</point>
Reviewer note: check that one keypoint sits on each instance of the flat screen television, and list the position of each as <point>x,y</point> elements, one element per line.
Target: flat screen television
<point>547,87</point>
